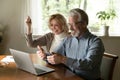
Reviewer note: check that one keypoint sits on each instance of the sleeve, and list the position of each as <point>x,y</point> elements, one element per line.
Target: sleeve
<point>42,41</point>
<point>92,59</point>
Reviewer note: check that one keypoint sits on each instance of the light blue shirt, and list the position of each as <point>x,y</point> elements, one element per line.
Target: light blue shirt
<point>83,54</point>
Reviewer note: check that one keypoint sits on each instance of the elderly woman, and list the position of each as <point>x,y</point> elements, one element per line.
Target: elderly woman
<point>59,28</point>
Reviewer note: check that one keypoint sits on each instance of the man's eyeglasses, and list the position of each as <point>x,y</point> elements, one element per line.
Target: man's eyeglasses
<point>74,24</point>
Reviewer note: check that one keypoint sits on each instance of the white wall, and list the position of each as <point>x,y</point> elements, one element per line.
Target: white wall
<point>10,16</point>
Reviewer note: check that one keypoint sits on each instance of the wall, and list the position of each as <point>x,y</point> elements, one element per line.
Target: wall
<point>10,16</point>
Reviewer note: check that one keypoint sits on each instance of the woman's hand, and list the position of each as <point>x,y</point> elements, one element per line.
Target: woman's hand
<point>41,53</point>
<point>28,23</point>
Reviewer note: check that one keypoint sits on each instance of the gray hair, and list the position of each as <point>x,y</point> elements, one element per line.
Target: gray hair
<point>73,13</point>
<point>82,15</point>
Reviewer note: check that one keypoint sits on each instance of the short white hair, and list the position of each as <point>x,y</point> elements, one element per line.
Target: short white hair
<point>81,14</point>
<point>73,13</point>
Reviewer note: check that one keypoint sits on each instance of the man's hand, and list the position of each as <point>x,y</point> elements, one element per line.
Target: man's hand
<point>41,53</point>
<point>56,58</point>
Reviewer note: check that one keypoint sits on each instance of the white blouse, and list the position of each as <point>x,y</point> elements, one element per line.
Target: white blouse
<point>57,40</point>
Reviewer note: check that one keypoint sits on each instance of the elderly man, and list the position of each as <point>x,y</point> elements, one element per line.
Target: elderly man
<point>82,51</point>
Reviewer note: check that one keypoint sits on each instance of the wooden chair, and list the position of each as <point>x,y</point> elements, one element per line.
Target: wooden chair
<point>107,66</point>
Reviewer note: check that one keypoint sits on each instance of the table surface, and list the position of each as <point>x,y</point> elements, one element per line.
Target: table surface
<point>11,72</point>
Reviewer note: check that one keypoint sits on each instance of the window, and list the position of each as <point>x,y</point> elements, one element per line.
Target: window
<point>40,10</point>
<point>103,5</point>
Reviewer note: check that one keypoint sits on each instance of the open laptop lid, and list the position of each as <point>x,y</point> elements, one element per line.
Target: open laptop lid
<point>24,62</point>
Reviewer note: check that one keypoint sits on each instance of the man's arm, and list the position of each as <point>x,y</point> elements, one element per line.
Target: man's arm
<point>93,57</point>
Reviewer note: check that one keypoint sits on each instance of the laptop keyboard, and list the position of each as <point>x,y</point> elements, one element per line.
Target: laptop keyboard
<point>42,69</point>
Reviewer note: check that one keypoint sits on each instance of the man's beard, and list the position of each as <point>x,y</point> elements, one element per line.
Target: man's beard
<point>75,33</point>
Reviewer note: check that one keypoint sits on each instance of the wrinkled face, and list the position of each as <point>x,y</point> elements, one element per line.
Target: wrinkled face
<point>75,26</point>
<point>55,27</point>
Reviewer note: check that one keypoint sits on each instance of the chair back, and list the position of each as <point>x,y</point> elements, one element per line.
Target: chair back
<point>107,66</point>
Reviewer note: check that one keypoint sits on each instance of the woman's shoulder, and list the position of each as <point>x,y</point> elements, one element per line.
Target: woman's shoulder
<point>49,35</point>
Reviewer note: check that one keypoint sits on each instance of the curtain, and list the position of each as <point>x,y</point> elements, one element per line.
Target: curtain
<point>33,9</point>
<point>24,11</point>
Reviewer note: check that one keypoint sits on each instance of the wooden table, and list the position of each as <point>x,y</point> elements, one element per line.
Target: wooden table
<point>11,72</point>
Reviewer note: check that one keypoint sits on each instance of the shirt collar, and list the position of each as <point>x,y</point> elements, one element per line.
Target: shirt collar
<point>85,35</point>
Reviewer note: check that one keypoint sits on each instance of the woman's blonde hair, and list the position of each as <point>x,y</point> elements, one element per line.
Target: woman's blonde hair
<point>61,20</point>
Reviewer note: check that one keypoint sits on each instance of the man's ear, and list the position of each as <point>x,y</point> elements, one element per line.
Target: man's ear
<point>83,24</point>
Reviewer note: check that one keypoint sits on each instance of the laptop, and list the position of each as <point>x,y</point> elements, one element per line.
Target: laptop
<point>24,62</point>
